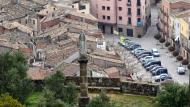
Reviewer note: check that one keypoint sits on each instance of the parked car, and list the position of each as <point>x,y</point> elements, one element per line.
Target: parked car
<point>155,52</point>
<point>147,61</point>
<point>128,44</point>
<point>161,77</point>
<point>146,52</point>
<point>181,70</point>
<point>146,58</point>
<point>143,56</point>
<point>152,66</point>
<point>134,46</point>
<point>152,63</point>
<point>160,71</point>
<point>155,68</point>
<point>137,50</point>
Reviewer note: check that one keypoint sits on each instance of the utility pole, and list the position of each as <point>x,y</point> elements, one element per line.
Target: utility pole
<point>84,98</point>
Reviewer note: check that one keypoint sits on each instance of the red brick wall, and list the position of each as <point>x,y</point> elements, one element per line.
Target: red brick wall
<point>48,24</point>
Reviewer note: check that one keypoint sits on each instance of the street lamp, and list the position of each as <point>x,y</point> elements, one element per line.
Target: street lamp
<point>84,99</point>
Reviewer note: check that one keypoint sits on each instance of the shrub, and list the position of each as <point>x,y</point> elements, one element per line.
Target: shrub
<point>167,44</point>
<point>173,95</point>
<point>171,48</point>
<point>157,36</point>
<point>175,53</point>
<point>185,62</point>
<point>179,58</point>
<point>162,40</point>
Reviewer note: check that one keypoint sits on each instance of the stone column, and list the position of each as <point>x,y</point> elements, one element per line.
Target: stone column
<point>84,99</point>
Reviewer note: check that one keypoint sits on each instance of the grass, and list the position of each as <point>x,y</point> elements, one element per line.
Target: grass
<point>121,100</point>
<point>126,100</point>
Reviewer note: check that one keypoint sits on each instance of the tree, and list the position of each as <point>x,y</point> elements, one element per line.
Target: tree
<point>157,37</point>
<point>49,100</point>
<point>8,101</point>
<point>101,101</point>
<point>162,40</point>
<point>70,94</point>
<point>55,84</point>
<point>13,77</point>
<point>175,53</point>
<point>173,95</point>
<point>167,44</point>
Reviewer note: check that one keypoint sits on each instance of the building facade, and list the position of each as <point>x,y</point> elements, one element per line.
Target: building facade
<point>128,17</point>
<point>174,24</point>
<point>185,37</point>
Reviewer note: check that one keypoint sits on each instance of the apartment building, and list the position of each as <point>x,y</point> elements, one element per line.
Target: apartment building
<point>128,17</point>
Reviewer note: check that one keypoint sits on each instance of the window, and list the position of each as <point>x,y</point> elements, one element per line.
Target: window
<point>120,17</point>
<point>139,22</point>
<point>129,11</point>
<point>138,2</point>
<point>119,0</point>
<point>138,12</point>
<point>138,19</point>
<point>33,21</point>
<point>108,8</point>
<point>129,21</point>
<point>103,7</point>
<point>120,8</point>
<point>103,17</point>
<point>129,3</point>
<point>108,17</point>
<point>120,29</point>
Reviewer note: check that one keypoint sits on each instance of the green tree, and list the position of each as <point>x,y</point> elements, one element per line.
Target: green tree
<point>173,95</point>
<point>70,94</point>
<point>55,84</point>
<point>13,77</point>
<point>8,101</point>
<point>101,101</point>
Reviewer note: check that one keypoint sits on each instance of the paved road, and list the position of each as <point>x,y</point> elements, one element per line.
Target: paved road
<point>148,42</point>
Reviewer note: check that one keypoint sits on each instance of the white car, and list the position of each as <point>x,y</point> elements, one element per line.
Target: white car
<point>147,58</point>
<point>161,77</point>
<point>181,70</point>
<point>155,52</point>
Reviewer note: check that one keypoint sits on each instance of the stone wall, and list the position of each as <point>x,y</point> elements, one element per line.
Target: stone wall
<point>139,88</point>
<point>125,86</point>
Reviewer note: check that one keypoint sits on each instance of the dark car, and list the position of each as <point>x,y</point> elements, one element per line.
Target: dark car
<point>152,63</point>
<point>138,52</point>
<point>152,66</point>
<point>134,46</point>
<point>143,55</point>
<point>160,71</point>
<point>145,52</point>
<point>155,68</point>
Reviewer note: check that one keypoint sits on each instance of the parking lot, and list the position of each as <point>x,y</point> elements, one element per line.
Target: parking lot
<point>148,42</point>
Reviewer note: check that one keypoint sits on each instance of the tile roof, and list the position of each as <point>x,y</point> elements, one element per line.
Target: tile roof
<point>37,73</point>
